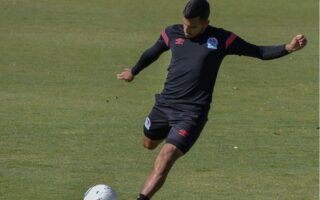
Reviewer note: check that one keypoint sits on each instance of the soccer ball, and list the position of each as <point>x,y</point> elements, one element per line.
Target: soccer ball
<point>100,192</point>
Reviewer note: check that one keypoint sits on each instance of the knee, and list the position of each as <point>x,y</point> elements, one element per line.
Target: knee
<point>149,146</point>
<point>166,158</point>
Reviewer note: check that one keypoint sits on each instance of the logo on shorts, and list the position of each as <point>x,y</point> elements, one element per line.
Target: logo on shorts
<point>147,123</point>
<point>212,43</point>
<point>183,133</point>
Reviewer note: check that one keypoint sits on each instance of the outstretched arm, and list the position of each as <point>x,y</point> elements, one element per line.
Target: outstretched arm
<point>148,57</point>
<point>241,47</point>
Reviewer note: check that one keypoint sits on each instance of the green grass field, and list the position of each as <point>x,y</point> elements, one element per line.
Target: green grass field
<point>66,123</point>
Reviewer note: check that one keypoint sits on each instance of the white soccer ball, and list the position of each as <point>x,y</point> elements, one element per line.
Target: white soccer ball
<point>100,192</point>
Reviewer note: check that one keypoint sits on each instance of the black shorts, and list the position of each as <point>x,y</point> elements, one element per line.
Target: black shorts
<point>181,129</point>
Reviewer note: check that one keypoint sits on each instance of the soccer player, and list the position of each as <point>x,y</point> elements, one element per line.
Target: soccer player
<point>180,111</point>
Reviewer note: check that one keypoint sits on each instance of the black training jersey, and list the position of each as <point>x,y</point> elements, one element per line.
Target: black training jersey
<point>195,63</point>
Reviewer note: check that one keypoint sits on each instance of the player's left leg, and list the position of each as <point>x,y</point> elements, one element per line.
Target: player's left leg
<point>162,165</point>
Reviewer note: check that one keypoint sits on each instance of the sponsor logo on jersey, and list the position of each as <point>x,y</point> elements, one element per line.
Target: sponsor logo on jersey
<point>212,43</point>
<point>179,41</point>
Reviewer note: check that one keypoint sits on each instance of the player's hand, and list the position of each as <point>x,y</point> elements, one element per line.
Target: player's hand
<point>126,75</point>
<point>297,43</point>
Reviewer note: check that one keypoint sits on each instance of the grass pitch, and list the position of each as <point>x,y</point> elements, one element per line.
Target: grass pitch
<point>66,123</point>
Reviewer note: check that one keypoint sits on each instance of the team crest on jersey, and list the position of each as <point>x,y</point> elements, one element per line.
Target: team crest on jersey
<point>212,43</point>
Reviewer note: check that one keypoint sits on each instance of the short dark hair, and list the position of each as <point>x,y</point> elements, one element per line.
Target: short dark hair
<point>197,8</point>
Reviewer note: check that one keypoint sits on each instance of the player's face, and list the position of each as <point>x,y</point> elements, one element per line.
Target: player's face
<point>194,26</point>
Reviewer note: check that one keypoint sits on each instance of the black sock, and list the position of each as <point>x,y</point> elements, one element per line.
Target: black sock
<point>142,197</point>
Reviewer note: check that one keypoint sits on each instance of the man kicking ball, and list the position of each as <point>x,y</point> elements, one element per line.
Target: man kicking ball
<point>180,111</point>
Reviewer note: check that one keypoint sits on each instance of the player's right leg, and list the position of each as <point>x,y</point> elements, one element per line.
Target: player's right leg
<point>162,165</point>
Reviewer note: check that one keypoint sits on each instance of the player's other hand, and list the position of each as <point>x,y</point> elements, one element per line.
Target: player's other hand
<point>297,43</point>
<point>125,75</point>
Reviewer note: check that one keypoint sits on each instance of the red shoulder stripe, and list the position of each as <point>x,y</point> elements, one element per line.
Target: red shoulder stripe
<point>165,37</point>
<point>230,40</point>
